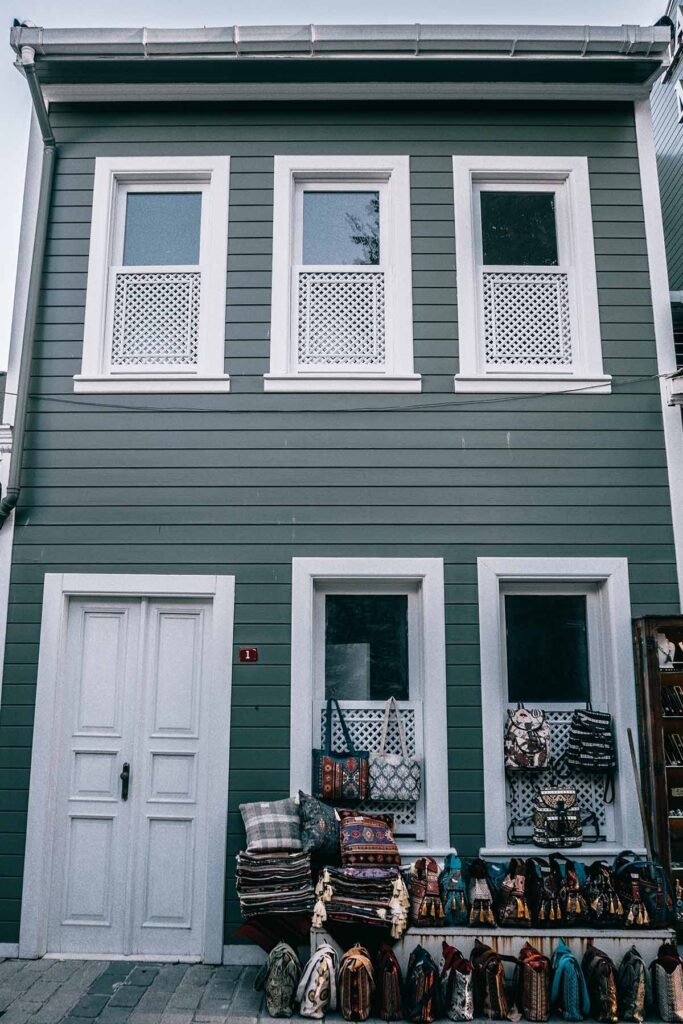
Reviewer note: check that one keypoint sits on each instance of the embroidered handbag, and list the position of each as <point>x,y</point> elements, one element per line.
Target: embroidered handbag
<point>542,893</point>
<point>634,991</point>
<point>513,909</point>
<point>532,983</point>
<point>628,884</point>
<point>570,880</point>
<point>342,777</point>
<point>367,840</point>
<point>527,740</point>
<point>657,893</point>
<point>456,984</point>
<point>394,776</point>
<point>667,982</point>
<point>388,985</point>
<point>423,990</point>
<point>278,979</point>
<point>488,977</point>
<point>606,909</point>
<point>452,890</point>
<point>556,817</point>
<point>317,991</point>
<point>356,984</point>
<point>479,894</point>
<point>569,994</point>
<point>601,979</point>
<point>425,901</point>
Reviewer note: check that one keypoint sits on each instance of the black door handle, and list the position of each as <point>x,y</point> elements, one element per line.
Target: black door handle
<point>125,780</point>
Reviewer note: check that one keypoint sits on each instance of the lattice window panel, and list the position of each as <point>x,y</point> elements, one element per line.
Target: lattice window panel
<point>522,787</point>
<point>341,319</point>
<point>365,728</point>
<point>527,322</point>
<point>156,319</point>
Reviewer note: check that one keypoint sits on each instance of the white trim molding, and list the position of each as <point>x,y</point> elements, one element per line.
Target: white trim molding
<point>425,576</point>
<point>9,950</point>
<point>390,176</point>
<point>663,323</point>
<point>568,178</point>
<point>114,176</point>
<point>612,680</point>
<point>40,828</point>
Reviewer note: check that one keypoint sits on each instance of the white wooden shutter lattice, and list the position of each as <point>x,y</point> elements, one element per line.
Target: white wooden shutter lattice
<point>341,319</point>
<point>156,318</point>
<point>364,721</point>
<point>527,322</point>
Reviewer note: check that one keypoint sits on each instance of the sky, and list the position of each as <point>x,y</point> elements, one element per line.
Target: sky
<point>14,96</point>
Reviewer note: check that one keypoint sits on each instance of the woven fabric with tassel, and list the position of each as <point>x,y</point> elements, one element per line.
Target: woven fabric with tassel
<point>606,908</point>
<point>426,909</point>
<point>570,879</point>
<point>543,894</point>
<point>628,882</point>
<point>452,890</point>
<point>513,909</point>
<point>480,895</point>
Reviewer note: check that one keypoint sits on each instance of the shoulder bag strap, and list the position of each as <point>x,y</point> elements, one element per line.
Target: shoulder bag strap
<point>399,723</point>
<point>345,731</point>
<point>327,745</point>
<point>385,726</point>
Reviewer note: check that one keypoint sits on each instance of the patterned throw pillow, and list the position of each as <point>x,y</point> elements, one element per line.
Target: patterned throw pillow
<point>367,840</point>
<point>319,829</point>
<point>272,825</point>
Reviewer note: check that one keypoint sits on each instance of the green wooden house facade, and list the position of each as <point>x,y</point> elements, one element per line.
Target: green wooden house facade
<point>340,344</point>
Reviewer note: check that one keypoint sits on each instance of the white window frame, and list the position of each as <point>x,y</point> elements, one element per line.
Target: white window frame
<point>568,178</point>
<point>423,577</point>
<point>391,176</point>
<point>114,178</point>
<point>606,585</point>
<point>678,87</point>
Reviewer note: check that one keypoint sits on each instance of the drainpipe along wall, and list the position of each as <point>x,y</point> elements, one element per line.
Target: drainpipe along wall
<point>26,63</point>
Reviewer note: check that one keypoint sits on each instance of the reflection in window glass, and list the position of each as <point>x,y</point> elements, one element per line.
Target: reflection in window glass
<point>341,228</point>
<point>547,648</point>
<point>162,228</point>
<point>366,646</point>
<point>518,229</point>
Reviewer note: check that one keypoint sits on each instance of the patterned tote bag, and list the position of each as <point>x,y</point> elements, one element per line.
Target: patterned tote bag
<point>342,777</point>
<point>317,991</point>
<point>667,981</point>
<point>394,776</point>
<point>456,984</point>
<point>569,994</point>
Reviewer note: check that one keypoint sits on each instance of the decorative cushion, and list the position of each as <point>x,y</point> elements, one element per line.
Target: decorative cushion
<point>319,829</point>
<point>272,825</point>
<point>367,840</point>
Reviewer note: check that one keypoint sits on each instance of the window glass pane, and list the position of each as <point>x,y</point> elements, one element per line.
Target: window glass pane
<point>341,227</point>
<point>518,228</point>
<point>162,228</point>
<point>547,648</point>
<point>366,646</point>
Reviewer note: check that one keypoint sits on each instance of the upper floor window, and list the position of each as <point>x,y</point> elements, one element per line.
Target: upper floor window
<point>342,307</point>
<point>527,289</point>
<point>155,305</point>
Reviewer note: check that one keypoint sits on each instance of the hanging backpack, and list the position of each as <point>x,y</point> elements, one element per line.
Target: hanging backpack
<point>355,984</point>
<point>456,984</point>
<point>452,891</point>
<point>532,983</point>
<point>590,747</point>
<point>569,993</point>
<point>278,980</point>
<point>488,983</point>
<point>513,909</point>
<point>317,991</point>
<point>601,979</point>
<point>606,909</point>
<point>425,901</point>
<point>628,883</point>
<point>633,987</point>
<point>667,982</point>
<point>422,988</point>
<point>480,895</point>
<point>527,740</point>
<point>542,894</point>
<point>388,985</point>
<point>570,880</point>
<point>557,817</point>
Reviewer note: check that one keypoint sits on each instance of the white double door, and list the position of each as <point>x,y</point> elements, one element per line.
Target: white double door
<point>129,869</point>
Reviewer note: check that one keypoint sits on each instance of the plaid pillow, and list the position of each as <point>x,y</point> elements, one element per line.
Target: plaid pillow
<point>272,825</point>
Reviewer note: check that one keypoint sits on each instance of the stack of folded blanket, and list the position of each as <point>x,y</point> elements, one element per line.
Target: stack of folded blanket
<point>274,883</point>
<point>371,896</point>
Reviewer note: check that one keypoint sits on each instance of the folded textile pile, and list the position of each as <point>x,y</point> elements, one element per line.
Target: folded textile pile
<point>274,883</point>
<point>371,896</point>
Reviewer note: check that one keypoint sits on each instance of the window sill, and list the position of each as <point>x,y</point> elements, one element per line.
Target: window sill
<point>591,851</point>
<point>526,385</point>
<point>342,382</point>
<point>125,385</point>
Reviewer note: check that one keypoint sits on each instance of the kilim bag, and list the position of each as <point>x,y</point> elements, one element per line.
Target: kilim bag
<point>532,983</point>
<point>425,900</point>
<point>278,979</point>
<point>667,982</point>
<point>452,891</point>
<point>456,984</point>
<point>590,747</point>
<point>634,991</point>
<point>513,909</point>
<point>657,893</point>
<point>488,978</point>
<point>557,817</point>
<point>569,994</point>
<point>570,880</point>
<point>527,740</point>
<point>388,985</point>
<point>342,777</point>
<point>542,894</point>
<point>422,989</point>
<point>356,984</point>
<point>394,776</point>
<point>601,979</point>
<point>479,895</point>
<point>627,882</point>
<point>606,909</point>
<point>317,991</point>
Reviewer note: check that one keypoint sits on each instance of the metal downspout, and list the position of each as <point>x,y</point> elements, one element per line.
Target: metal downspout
<point>26,63</point>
